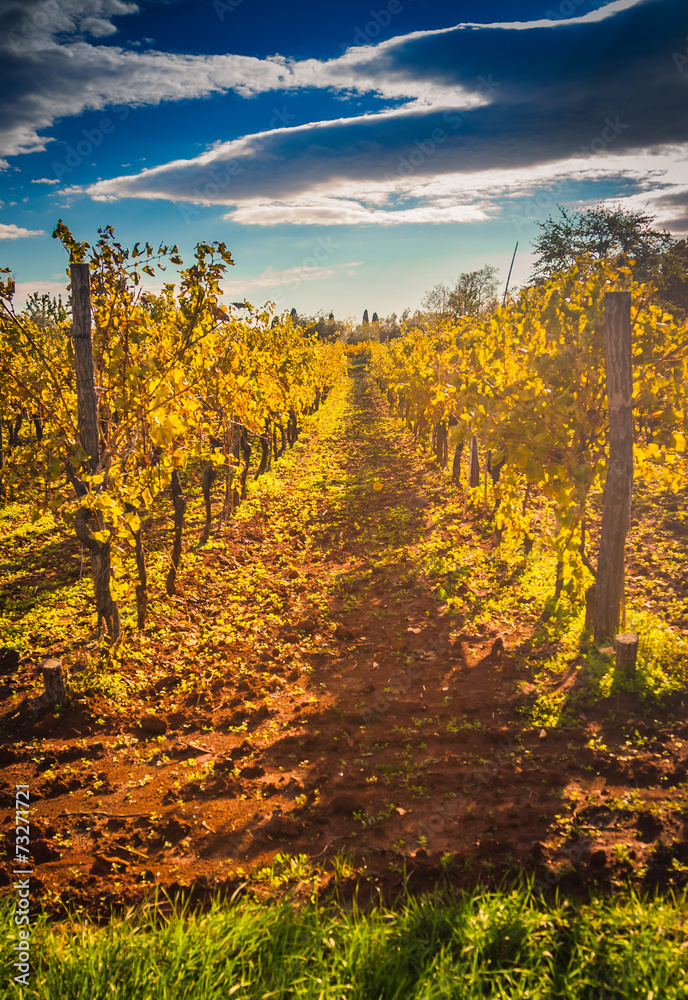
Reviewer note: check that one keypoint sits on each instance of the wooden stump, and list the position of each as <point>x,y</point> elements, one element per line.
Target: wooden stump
<point>626,644</point>
<point>54,681</point>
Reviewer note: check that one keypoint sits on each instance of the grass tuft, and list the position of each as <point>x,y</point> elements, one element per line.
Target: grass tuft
<point>506,944</point>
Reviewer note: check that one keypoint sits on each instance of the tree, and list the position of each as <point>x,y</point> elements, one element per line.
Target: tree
<point>605,234</point>
<point>389,328</point>
<point>379,329</point>
<point>324,328</point>
<point>475,292</point>
<point>436,300</point>
<point>45,310</point>
<point>672,278</point>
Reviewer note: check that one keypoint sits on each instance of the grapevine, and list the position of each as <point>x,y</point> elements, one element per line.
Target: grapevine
<point>180,382</point>
<point>528,383</point>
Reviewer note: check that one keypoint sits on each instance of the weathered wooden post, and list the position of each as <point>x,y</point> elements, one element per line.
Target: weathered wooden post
<point>179,505</point>
<point>475,463</point>
<point>488,459</point>
<point>86,396</point>
<point>609,585</point>
<point>456,463</point>
<point>87,521</point>
<point>590,608</point>
<point>142,585</point>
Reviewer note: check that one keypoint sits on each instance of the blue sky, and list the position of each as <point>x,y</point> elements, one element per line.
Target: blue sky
<point>350,156</point>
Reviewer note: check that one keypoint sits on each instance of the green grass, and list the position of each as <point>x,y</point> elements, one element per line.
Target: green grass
<point>661,671</point>
<point>507,945</point>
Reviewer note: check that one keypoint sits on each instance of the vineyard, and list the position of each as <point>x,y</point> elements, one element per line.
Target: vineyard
<point>282,615</point>
<point>177,386</point>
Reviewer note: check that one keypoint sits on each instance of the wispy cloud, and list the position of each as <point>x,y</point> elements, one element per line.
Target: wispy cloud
<point>273,278</point>
<point>340,211</point>
<point>655,179</point>
<point>50,70</point>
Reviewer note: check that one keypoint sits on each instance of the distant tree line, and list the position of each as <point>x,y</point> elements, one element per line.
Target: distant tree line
<point>348,330</point>
<point>326,327</point>
<point>604,234</point>
<point>616,235</point>
<point>473,294</point>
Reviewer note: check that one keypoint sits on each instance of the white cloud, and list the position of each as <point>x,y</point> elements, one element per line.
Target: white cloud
<point>55,72</point>
<point>24,289</point>
<point>272,278</point>
<point>338,211</point>
<point>592,17</point>
<point>653,179</point>
<point>8,231</point>
<point>98,27</point>
<point>542,119</point>
<point>45,180</point>
<point>431,160</point>
<point>49,77</point>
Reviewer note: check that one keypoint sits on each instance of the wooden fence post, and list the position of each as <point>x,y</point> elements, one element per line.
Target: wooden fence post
<point>87,521</point>
<point>179,504</point>
<point>609,585</point>
<point>86,396</point>
<point>475,463</point>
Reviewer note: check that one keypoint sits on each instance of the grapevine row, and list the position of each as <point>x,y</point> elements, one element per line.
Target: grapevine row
<point>527,384</point>
<point>180,384</point>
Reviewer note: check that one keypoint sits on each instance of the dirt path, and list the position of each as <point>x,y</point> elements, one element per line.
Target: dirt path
<point>319,700</point>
